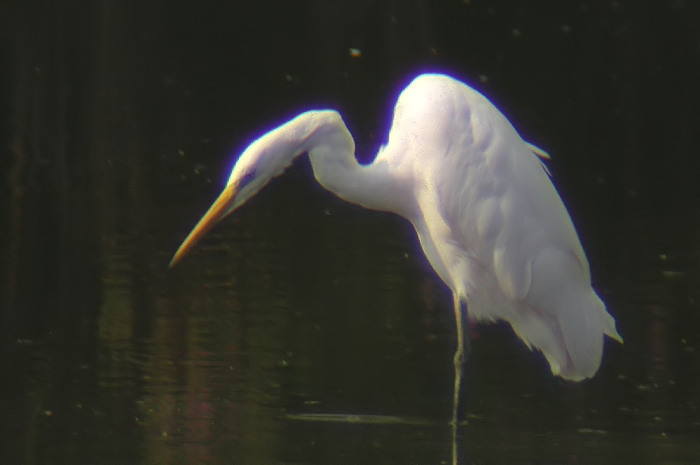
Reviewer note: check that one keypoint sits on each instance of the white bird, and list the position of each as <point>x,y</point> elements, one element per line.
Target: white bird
<point>487,215</point>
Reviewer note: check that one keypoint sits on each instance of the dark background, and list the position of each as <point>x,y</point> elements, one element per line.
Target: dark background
<point>120,121</point>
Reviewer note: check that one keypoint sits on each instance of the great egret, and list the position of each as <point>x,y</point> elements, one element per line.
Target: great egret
<point>487,216</point>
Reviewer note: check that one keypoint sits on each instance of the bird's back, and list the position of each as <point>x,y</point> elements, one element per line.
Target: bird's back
<point>493,226</point>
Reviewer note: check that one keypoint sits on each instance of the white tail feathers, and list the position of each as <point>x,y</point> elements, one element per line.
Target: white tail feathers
<point>567,325</point>
<point>583,324</point>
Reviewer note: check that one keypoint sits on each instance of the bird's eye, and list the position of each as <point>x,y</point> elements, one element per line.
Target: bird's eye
<point>249,176</point>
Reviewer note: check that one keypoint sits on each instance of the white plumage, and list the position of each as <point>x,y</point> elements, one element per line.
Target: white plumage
<point>493,226</point>
<point>488,218</point>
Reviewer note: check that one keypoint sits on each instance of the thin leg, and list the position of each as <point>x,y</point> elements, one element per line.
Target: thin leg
<point>459,358</point>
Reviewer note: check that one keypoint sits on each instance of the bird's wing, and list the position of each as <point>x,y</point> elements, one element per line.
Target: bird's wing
<point>494,227</point>
<point>524,262</point>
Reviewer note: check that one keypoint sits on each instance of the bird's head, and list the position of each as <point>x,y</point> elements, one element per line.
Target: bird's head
<point>264,159</point>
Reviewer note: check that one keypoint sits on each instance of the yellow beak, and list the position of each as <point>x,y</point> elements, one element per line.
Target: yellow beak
<point>216,213</point>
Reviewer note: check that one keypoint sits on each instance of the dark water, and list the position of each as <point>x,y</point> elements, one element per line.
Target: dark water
<point>303,329</point>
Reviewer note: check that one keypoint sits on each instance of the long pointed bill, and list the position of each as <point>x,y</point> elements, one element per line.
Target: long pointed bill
<point>216,213</point>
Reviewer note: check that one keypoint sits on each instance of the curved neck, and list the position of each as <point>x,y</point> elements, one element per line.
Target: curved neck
<point>331,150</point>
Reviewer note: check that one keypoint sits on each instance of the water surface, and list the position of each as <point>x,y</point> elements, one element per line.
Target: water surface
<point>303,329</point>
